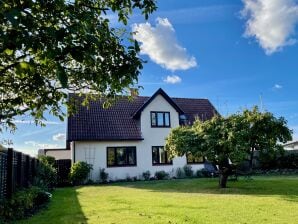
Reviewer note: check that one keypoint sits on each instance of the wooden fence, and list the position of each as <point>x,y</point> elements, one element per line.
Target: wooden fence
<point>17,170</point>
<point>63,168</point>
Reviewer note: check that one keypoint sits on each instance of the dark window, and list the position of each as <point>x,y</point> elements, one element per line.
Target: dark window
<point>160,156</point>
<point>194,159</point>
<point>160,119</point>
<point>121,156</point>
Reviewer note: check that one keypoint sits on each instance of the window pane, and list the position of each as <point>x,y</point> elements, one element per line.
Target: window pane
<point>111,157</point>
<point>162,155</point>
<point>199,159</point>
<point>155,155</point>
<point>160,121</point>
<point>121,156</point>
<point>153,119</point>
<point>131,156</point>
<point>167,119</point>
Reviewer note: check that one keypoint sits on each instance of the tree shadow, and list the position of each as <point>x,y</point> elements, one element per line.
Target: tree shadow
<point>284,187</point>
<point>64,208</point>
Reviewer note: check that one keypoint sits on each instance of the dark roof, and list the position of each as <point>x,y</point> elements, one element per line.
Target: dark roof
<point>120,121</point>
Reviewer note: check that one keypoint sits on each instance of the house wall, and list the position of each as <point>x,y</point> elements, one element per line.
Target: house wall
<point>58,154</point>
<point>95,152</point>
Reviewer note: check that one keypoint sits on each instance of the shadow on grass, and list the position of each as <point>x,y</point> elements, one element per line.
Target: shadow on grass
<point>64,208</point>
<point>285,187</point>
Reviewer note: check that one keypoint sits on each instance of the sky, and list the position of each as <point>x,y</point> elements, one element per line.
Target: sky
<point>236,53</point>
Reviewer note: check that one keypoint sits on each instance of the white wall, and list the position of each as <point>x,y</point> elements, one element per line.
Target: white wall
<point>58,154</point>
<point>95,152</point>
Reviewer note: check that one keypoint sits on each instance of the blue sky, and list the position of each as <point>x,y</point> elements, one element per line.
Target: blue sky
<point>208,49</point>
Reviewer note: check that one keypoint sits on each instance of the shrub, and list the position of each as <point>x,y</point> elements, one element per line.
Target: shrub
<point>146,175</point>
<point>79,172</point>
<point>22,204</point>
<point>179,173</point>
<point>47,159</point>
<point>289,161</point>
<point>188,171</point>
<point>128,178</point>
<point>161,175</point>
<point>103,176</point>
<point>204,173</point>
<point>46,177</point>
<point>199,173</point>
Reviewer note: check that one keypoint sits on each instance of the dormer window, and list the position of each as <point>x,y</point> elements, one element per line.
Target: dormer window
<point>160,119</point>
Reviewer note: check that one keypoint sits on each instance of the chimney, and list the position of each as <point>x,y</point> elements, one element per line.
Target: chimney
<point>134,92</point>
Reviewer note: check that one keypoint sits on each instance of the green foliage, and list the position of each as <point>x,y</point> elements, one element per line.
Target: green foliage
<point>48,47</point>
<point>277,160</point>
<point>103,175</point>
<point>180,173</point>
<point>46,176</point>
<point>203,173</point>
<point>161,175</point>
<point>47,159</point>
<point>232,138</point>
<point>79,172</point>
<point>146,175</point>
<point>23,203</point>
<point>188,171</point>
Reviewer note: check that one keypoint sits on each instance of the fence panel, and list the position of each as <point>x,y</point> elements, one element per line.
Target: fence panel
<point>63,168</point>
<point>3,173</point>
<point>17,171</point>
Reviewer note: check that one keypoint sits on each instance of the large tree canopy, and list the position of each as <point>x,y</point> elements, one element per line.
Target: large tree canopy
<point>229,139</point>
<point>51,47</point>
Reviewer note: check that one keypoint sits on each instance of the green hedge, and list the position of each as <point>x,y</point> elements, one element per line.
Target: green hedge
<point>23,203</point>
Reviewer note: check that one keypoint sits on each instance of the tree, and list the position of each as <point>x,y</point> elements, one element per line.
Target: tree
<point>225,140</point>
<point>49,48</point>
<point>263,132</point>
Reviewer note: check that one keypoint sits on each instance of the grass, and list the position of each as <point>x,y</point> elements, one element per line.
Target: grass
<point>261,200</point>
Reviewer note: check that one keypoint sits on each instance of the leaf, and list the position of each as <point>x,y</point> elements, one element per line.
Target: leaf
<point>62,77</point>
<point>8,51</point>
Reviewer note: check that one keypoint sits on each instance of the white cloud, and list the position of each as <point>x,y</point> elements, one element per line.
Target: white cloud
<point>271,22</point>
<point>41,145</point>
<point>172,79</point>
<point>277,86</point>
<point>59,137</point>
<point>161,45</point>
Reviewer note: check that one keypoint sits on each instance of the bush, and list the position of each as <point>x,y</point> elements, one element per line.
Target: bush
<point>188,171</point>
<point>146,175</point>
<point>179,173</point>
<point>103,176</point>
<point>203,173</point>
<point>289,161</point>
<point>79,172</point>
<point>199,173</point>
<point>46,177</point>
<point>47,159</point>
<point>161,175</point>
<point>22,204</point>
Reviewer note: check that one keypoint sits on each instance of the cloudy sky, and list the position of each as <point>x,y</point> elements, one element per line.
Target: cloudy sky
<point>236,53</point>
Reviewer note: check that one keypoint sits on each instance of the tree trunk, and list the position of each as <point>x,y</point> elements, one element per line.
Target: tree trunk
<point>251,159</point>
<point>223,176</point>
<point>223,179</point>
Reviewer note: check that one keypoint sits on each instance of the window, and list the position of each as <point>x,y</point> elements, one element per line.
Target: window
<point>194,159</point>
<point>160,156</point>
<point>160,119</point>
<point>121,156</point>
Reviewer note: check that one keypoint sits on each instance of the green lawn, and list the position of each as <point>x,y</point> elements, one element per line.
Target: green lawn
<point>261,200</point>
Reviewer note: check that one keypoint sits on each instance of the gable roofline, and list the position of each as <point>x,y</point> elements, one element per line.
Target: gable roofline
<point>165,96</point>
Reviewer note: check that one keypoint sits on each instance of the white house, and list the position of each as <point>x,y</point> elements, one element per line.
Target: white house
<point>128,138</point>
<point>57,153</point>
